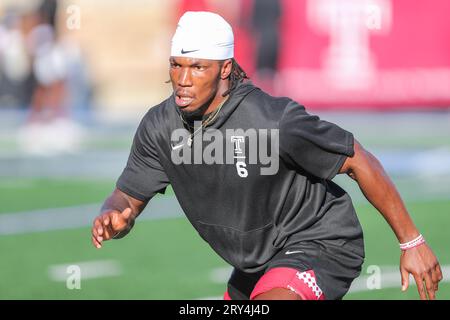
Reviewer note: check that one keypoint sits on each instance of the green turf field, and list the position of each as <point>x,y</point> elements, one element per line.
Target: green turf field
<point>18,195</point>
<point>30,194</point>
<point>164,258</point>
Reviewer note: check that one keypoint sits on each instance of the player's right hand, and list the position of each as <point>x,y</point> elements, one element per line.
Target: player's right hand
<point>109,224</point>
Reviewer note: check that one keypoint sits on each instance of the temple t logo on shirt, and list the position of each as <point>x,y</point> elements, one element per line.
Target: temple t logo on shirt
<point>239,155</point>
<point>237,147</point>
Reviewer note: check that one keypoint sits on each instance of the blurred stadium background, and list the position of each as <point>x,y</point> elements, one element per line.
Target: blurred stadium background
<point>76,76</point>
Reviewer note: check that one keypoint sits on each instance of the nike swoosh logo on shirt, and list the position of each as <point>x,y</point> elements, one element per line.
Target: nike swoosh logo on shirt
<point>178,146</point>
<point>295,251</point>
<point>188,51</point>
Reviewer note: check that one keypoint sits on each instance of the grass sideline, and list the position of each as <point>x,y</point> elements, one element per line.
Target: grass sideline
<point>165,259</point>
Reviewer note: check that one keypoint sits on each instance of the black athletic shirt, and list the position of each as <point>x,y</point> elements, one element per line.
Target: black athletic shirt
<point>247,220</point>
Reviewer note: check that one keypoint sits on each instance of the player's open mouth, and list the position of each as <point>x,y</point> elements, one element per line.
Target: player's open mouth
<point>183,101</point>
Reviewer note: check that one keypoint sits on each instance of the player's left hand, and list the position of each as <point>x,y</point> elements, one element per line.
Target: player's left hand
<point>424,266</point>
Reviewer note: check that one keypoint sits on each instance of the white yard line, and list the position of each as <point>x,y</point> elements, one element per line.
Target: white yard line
<point>220,275</point>
<point>79,216</point>
<point>86,269</point>
<point>160,207</point>
<point>389,278</point>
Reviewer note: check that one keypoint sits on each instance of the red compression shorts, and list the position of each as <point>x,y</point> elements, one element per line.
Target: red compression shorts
<point>302,283</point>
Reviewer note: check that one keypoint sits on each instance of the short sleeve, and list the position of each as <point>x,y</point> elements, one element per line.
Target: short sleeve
<point>143,175</point>
<point>317,146</point>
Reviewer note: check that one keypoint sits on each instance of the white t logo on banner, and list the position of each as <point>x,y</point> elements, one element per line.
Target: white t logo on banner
<point>348,62</point>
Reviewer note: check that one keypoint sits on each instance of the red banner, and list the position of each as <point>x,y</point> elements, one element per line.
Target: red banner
<point>365,53</point>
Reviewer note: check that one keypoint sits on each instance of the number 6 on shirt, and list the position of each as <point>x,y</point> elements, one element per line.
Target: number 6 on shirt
<point>242,172</point>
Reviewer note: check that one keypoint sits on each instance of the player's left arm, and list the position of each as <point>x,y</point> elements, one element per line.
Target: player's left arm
<point>380,191</point>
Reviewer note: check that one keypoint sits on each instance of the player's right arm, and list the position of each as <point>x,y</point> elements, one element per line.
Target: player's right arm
<point>116,218</point>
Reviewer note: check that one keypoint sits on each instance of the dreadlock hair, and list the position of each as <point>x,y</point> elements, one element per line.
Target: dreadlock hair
<point>237,75</point>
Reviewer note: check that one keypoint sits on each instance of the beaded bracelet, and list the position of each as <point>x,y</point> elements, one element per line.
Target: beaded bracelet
<point>413,243</point>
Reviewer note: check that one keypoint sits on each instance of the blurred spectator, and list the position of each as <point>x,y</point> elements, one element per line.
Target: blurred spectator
<point>46,73</point>
<point>49,64</point>
<point>16,77</point>
<point>265,26</point>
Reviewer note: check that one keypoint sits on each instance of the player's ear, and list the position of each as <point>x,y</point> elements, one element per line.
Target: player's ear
<point>225,71</point>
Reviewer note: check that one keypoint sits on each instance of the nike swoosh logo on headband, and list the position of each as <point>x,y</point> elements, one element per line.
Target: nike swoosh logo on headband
<point>189,51</point>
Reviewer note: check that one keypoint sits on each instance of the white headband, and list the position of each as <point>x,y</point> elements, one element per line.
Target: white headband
<point>203,35</point>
